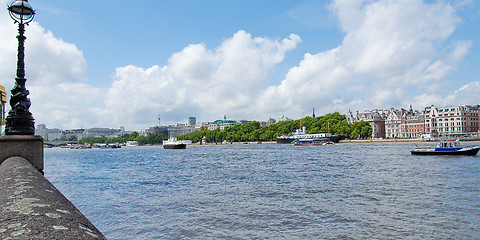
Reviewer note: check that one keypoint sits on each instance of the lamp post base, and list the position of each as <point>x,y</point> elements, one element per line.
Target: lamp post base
<point>28,147</point>
<point>20,125</point>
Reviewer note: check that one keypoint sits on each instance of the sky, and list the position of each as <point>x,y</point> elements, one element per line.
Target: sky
<point>127,63</point>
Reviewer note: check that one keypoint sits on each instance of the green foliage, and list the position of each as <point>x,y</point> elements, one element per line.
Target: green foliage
<point>72,138</point>
<point>334,123</point>
<point>361,130</point>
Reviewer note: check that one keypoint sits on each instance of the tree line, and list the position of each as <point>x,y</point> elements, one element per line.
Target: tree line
<point>334,123</point>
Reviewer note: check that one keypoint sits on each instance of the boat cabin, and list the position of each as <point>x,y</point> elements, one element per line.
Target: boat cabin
<point>448,144</point>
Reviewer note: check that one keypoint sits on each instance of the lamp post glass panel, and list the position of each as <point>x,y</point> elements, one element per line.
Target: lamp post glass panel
<point>20,121</point>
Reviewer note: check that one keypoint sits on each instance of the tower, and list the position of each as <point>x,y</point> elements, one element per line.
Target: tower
<point>192,121</point>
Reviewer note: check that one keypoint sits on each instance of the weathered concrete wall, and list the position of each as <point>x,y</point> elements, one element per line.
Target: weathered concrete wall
<point>32,208</point>
<point>26,146</point>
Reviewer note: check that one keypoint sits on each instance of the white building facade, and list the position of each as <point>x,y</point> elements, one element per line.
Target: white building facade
<point>393,124</point>
<point>404,123</point>
<point>222,124</point>
<point>451,121</point>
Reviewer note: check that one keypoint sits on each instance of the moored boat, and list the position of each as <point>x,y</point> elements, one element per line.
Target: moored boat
<point>447,147</point>
<point>172,143</point>
<point>104,145</point>
<point>132,144</point>
<point>300,134</point>
<point>307,142</point>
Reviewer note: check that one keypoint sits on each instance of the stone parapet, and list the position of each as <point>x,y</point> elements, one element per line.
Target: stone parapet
<point>29,147</point>
<point>32,208</point>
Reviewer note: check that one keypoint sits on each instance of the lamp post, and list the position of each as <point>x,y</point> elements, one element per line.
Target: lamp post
<point>20,121</point>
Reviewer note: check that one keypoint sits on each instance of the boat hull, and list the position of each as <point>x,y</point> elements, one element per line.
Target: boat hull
<point>464,151</point>
<point>285,140</point>
<point>175,146</point>
<point>291,139</point>
<point>312,143</point>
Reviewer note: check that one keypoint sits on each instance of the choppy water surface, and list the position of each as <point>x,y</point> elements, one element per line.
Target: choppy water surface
<point>354,191</point>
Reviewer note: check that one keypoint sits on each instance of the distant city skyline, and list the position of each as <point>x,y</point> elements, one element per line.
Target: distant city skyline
<point>192,121</point>
<point>188,122</point>
<point>111,65</point>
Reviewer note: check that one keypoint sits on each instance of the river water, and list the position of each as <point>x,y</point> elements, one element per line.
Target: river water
<point>268,191</point>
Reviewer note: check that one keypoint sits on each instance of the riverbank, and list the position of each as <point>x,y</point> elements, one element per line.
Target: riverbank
<point>402,140</point>
<point>235,143</point>
<point>412,140</point>
<point>387,140</point>
<point>341,141</point>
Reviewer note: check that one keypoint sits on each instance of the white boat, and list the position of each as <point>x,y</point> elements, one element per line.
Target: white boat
<point>172,143</point>
<point>132,144</point>
<point>301,134</point>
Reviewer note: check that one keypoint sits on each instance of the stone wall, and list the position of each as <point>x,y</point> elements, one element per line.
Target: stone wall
<point>32,208</point>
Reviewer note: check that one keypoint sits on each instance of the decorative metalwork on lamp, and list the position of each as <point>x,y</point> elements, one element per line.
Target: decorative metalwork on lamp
<point>20,121</point>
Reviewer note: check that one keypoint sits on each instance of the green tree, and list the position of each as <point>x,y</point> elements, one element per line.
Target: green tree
<point>132,136</point>
<point>72,138</point>
<point>141,140</point>
<point>361,130</point>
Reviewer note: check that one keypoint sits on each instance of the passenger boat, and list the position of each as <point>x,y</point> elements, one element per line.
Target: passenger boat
<point>447,147</point>
<point>172,143</point>
<point>307,142</point>
<point>300,134</point>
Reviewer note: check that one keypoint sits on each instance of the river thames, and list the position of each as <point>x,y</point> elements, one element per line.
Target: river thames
<point>269,191</point>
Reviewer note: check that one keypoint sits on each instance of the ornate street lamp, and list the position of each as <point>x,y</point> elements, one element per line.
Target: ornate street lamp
<point>20,121</point>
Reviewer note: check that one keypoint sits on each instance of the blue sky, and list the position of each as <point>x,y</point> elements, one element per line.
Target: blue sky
<point>122,63</point>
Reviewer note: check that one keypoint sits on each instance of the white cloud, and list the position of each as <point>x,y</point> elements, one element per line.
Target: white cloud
<point>55,60</point>
<point>307,83</point>
<point>465,95</point>
<point>66,105</point>
<point>348,12</point>
<point>8,49</point>
<point>197,81</point>
<point>390,48</point>
<point>394,35</point>
<point>55,74</point>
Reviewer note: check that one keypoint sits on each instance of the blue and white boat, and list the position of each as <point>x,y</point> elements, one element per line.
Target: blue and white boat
<point>447,147</point>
